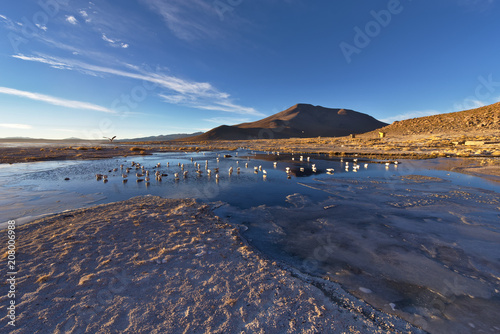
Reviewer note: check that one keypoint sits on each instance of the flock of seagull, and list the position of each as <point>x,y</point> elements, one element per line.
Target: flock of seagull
<point>144,175</point>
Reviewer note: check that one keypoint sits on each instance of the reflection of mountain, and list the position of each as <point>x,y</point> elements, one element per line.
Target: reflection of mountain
<point>301,120</point>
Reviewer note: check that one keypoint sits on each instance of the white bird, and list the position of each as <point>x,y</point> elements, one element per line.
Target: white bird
<point>387,164</point>
<point>176,176</point>
<point>366,165</point>
<point>275,164</point>
<point>147,173</point>
<point>246,165</point>
<point>302,169</point>
<point>260,168</point>
<point>307,159</point>
<point>185,173</point>
<point>287,170</point>
<point>301,158</point>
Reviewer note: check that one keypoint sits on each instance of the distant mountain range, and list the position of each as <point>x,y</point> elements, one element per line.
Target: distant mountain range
<point>301,120</point>
<point>164,137</point>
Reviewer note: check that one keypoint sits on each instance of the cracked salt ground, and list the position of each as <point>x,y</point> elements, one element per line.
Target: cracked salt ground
<point>418,243</point>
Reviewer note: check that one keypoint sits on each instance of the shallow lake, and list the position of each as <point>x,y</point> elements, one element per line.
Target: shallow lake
<point>419,243</point>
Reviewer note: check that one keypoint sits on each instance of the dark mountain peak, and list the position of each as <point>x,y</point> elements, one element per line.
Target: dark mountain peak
<point>301,120</point>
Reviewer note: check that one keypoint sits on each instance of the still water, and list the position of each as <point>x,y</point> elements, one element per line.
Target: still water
<point>421,244</point>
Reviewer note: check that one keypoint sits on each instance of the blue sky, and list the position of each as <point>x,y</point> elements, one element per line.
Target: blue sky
<point>132,68</point>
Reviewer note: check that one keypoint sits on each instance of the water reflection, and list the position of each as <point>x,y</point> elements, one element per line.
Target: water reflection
<point>418,243</point>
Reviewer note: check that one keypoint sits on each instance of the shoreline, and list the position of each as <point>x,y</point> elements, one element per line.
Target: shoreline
<point>197,271</point>
<point>473,159</point>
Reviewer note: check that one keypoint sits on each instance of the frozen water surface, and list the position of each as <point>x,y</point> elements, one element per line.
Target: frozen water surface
<point>421,244</point>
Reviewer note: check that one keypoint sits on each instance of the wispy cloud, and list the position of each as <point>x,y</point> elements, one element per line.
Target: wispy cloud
<point>200,95</point>
<point>467,104</point>
<point>115,43</point>
<point>85,16</point>
<point>188,19</point>
<point>71,19</point>
<point>410,114</point>
<point>15,126</point>
<point>54,100</point>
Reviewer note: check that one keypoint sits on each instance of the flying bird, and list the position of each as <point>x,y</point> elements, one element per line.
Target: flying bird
<point>110,139</point>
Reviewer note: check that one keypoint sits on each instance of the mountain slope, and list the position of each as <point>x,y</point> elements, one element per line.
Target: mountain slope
<point>478,120</point>
<point>301,120</point>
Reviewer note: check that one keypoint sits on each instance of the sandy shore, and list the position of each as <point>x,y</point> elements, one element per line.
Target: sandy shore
<point>152,265</point>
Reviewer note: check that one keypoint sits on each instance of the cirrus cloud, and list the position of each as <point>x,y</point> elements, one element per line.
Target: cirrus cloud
<point>54,100</point>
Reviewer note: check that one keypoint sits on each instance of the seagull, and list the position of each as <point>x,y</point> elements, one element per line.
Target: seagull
<point>110,139</point>
<point>366,166</point>
<point>330,170</point>
<point>275,164</point>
